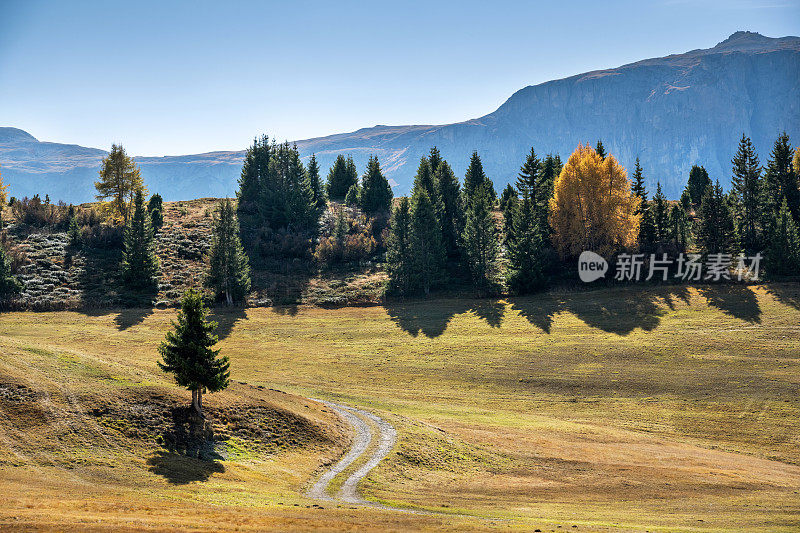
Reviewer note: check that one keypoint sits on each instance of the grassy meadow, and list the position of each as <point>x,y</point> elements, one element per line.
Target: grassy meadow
<point>660,409</point>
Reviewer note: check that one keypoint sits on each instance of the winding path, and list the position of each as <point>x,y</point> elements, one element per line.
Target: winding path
<point>364,437</point>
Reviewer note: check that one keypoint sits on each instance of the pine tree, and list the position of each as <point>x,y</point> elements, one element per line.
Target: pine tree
<point>352,198</point>
<point>9,285</point>
<point>315,184</point>
<point>480,241</point>
<point>508,195</point>
<point>376,193</point>
<point>399,258</point>
<point>783,252</point>
<point>448,190</point>
<point>434,160</point>
<point>424,178</point>
<point>679,227</point>
<point>139,265</point>
<point>660,215</point>
<point>638,187</point>
<point>74,232</point>
<point>524,245</point>
<point>341,177</point>
<point>647,229</point>
<point>186,352</point>
<point>698,183</point>
<point>746,188</point>
<point>716,231</point>
<point>155,207</point>
<point>476,178</point>
<point>254,176</point>
<point>780,181</point>
<point>551,168</point>
<point>528,177</point>
<point>229,268</point>
<point>426,242</point>
<point>600,149</point>
<point>285,199</point>
<point>119,182</point>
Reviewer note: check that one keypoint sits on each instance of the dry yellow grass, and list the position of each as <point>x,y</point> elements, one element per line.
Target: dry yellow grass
<point>659,409</point>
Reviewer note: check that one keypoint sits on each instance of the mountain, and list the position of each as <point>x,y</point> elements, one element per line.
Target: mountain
<point>671,112</point>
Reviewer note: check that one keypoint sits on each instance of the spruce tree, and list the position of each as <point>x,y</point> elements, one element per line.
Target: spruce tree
<point>448,190</point>
<point>698,183</point>
<point>399,255</point>
<point>524,244</point>
<point>229,268</point>
<point>186,352</point>
<point>353,196</point>
<point>139,265</point>
<point>746,187</point>
<point>679,227</point>
<point>551,168</point>
<point>376,193</point>
<point>647,230</point>
<point>783,252</point>
<point>475,178</point>
<point>426,242</point>
<point>600,149</point>
<point>660,215</point>
<point>434,160</point>
<point>780,181</point>
<point>155,207</point>
<point>254,176</point>
<point>716,231</point>
<point>638,187</point>
<point>9,285</point>
<point>74,232</point>
<point>155,202</point>
<point>315,184</point>
<point>480,241</point>
<point>509,194</point>
<point>528,177</point>
<point>424,178</point>
<point>286,199</point>
<point>341,177</point>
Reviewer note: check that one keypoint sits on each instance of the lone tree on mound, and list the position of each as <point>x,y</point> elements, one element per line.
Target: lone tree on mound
<point>119,181</point>
<point>186,352</point>
<point>229,269</point>
<point>139,261</point>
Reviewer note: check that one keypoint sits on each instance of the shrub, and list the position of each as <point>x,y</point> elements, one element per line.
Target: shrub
<point>34,212</point>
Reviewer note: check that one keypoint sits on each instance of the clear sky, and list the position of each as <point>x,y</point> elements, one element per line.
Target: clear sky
<point>187,77</point>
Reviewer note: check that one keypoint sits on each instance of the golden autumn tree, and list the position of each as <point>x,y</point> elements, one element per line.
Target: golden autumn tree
<point>592,207</point>
<point>3,198</point>
<point>119,181</point>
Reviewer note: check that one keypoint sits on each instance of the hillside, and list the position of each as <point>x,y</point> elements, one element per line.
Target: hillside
<point>672,112</point>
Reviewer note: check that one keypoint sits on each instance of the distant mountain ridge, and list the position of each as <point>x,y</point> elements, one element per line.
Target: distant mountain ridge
<point>671,112</point>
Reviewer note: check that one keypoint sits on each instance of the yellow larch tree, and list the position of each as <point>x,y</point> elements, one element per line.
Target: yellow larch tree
<point>592,207</point>
<point>119,181</point>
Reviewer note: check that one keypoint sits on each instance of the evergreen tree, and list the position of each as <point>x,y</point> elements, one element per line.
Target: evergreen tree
<point>341,177</point>
<point>476,178</point>
<point>509,194</point>
<point>74,232</point>
<point>638,187</point>
<point>698,183</point>
<point>686,200</point>
<point>376,193</point>
<point>253,179</point>
<point>679,227</point>
<point>229,269</point>
<point>660,215</point>
<point>448,190</point>
<point>315,184</point>
<point>426,242</point>
<point>353,196</point>
<point>528,177</point>
<point>600,149</point>
<point>186,352</point>
<point>780,181</point>
<point>716,231</point>
<point>286,199</point>
<point>524,243</point>
<point>480,241</point>
<point>9,285</point>
<point>139,265</point>
<point>746,188</point>
<point>155,206</point>
<point>434,160</point>
<point>424,178</point>
<point>399,257</point>
<point>551,168</point>
<point>783,252</point>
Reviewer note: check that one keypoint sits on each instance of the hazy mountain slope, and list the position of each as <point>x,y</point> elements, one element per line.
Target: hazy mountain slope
<point>672,112</point>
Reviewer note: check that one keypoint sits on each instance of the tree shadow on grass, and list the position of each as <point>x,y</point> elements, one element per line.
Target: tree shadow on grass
<point>490,310</point>
<point>132,317</point>
<point>425,316</point>
<point>226,318</point>
<point>786,293</point>
<point>738,301</point>
<point>180,469</point>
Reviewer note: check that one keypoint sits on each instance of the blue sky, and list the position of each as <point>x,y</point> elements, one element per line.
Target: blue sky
<point>187,77</point>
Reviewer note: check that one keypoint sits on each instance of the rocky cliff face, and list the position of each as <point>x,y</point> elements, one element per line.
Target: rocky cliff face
<point>671,112</point>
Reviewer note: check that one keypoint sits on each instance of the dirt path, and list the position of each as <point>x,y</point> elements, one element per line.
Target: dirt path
<point>364,437</point>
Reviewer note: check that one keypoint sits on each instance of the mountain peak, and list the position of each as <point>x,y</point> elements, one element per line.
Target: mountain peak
<point>12,135</point>
<point>744,41</point>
